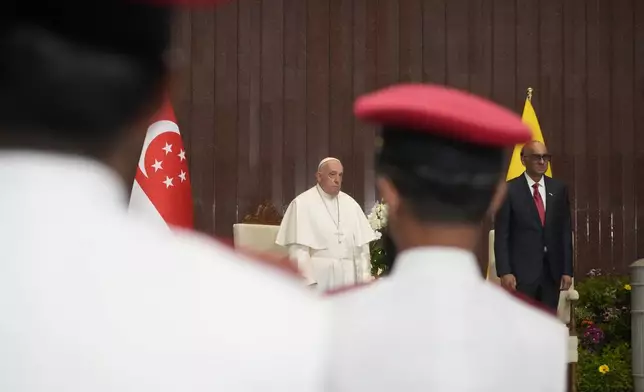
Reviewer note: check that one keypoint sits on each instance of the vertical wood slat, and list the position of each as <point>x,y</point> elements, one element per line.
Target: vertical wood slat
<point>435,41</point>
<point>225,111</point>
<point>388,34</point>
<point>598,123</point>
<point>203,120</point>
<point>296,176</point>
<point>248,106</point>
<point>594,110</point>
<point>300,64</point>
<point>622,135</point>
<point>410,43</point>
<point>180,91</point>
<point>575,121</point>
<point>504,64</point>
<point>317,82</point>
<point>504,54</point>
<point>272,101</point>
<point>603,134</point>
<point>480,46</point>
<point>387,47</point>
<point>528,53</point>
<point>341,91</point>
<point>638,106</point>
<point>550,81</point>
<point>479,50</point>
<point>364,80</point>
<point>360,84</point>
<point>457,33</point>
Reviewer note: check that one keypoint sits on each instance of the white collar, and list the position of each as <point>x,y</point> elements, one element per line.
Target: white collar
<point>437,264</point>
<point>49,181</point>
<point>531,182</point>
<point>324,194</point>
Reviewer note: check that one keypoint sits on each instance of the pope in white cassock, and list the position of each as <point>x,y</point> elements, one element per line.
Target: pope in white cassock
<point>327,232</point>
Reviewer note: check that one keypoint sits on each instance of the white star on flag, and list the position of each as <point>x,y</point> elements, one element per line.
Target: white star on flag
<point>157,165</point>
<point>161,192</point>
<point>167,148</point>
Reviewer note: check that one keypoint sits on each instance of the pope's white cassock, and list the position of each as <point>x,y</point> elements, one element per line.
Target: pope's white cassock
<point>329,237</point>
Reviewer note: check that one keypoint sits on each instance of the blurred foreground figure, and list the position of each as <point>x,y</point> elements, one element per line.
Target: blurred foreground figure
<point>92,300</point>
<point>434,324</point>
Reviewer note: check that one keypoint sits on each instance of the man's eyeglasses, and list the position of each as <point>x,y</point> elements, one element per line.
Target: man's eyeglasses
<point>538,157</point>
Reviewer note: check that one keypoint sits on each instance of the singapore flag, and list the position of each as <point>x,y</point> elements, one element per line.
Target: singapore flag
<point>161,192</point>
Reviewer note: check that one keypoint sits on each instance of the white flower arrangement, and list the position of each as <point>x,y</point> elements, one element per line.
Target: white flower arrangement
<point>378,218</point>
<point>378,222</point>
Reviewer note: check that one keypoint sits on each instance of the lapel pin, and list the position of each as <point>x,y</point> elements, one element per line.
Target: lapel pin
<point>550,194</point>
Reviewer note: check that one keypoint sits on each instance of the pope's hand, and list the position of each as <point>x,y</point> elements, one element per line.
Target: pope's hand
<point>509,282</point>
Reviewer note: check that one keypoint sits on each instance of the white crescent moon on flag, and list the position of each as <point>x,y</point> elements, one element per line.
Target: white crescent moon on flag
<point>155,130</point>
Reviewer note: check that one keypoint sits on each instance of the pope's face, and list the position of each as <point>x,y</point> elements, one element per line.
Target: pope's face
<point>330,177</point>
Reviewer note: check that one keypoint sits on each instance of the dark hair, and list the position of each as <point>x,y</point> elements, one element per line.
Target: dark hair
<point>72,78</point>
<point>440,179</point>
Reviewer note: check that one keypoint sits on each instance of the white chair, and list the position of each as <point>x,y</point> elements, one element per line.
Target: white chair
<point>260,238</point>
<point>566,299</point>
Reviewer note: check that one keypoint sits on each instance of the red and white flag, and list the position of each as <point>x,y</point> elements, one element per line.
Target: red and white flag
<point>161,192</point>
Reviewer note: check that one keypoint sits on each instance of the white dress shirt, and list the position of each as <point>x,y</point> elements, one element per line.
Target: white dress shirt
<point>542,187</point>
<point>93,300</point>
<point>435,325</point>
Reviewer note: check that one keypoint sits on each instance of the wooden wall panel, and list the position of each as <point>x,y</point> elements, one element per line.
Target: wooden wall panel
<point>201,150</point>
<point>294,168</point>
<point>575,120</point>
<point>225,112</point>
<point>264,90</point>
<point>638,105</point>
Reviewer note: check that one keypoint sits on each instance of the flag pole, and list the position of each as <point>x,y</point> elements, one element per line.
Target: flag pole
<point>530,90</point>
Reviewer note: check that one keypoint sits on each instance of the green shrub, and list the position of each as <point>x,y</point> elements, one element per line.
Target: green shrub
<point>603,321</point>
<point>616,376</point>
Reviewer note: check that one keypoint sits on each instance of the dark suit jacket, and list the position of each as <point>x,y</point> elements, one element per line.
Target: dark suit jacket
<point>520,239</point>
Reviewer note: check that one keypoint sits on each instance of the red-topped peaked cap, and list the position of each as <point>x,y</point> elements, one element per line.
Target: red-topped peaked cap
<point>444,112</point>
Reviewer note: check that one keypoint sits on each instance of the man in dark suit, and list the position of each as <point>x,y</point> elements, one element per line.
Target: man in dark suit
<point>533,238</point>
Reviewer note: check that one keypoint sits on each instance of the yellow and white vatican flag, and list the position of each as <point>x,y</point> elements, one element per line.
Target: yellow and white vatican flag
<point>529,117</point>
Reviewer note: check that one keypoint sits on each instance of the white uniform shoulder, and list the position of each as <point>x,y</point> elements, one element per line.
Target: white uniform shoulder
<point>429,325</point>
<point>199,252</point>
<point>250,323</point>
<point>525,311</point>
<point>535,339</point>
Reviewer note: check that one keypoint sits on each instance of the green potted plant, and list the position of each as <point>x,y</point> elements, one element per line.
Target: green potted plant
<point>603,320</point>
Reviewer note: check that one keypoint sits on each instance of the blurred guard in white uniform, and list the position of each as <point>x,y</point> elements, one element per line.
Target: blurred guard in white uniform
<point>434,324</point>
<point>91,300</point>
